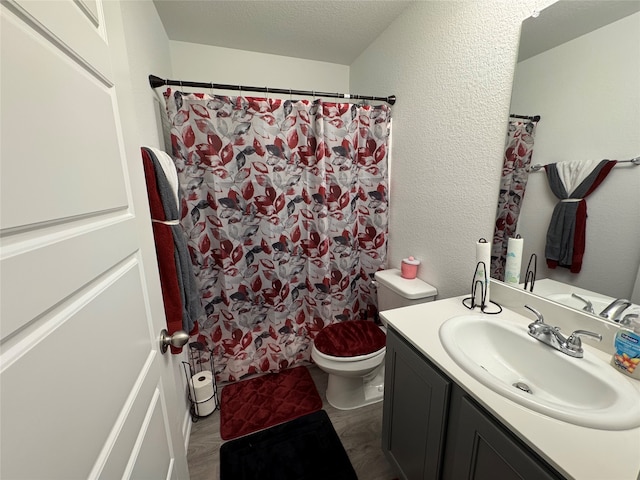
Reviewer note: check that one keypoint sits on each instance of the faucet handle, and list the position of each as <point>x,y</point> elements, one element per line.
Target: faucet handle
<point>539,317</point>
<point>588,306</point>
<point>575,344</point>
<point>628,319</point>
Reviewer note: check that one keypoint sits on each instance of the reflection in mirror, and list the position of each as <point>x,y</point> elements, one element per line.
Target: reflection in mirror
<point>584,86</point>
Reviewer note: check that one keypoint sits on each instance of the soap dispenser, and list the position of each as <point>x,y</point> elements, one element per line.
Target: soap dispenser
<point>626,345</point>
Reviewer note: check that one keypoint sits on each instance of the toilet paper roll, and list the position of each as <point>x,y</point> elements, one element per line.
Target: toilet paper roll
<point>483,254</point>
<point>513,264</point>
<point>201,388</point>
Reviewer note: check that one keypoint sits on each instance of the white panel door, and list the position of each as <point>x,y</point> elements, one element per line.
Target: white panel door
<point>84,390</point>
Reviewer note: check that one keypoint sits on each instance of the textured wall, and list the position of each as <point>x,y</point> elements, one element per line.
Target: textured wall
<point>586,91</point>
<point>451,64</point>
<point>204,63</point>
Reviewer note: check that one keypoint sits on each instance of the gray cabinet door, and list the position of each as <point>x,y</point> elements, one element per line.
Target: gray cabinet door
<point>478,448</point>
<point>414,412</point>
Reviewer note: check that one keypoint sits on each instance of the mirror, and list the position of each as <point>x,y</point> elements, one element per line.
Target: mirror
<point>579,69</point>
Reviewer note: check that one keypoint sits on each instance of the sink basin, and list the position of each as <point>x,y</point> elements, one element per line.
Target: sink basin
<point>499,353</point>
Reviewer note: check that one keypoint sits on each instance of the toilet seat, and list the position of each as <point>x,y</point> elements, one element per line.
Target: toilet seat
<point>350,341</point>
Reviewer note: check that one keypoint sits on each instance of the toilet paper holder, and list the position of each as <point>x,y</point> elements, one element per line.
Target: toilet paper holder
<point>200,407</point>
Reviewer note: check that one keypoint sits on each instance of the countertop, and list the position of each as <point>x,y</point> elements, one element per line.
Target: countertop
<point>576,452</point>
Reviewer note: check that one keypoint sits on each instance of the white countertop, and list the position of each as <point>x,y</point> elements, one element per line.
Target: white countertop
<point>577,452</point>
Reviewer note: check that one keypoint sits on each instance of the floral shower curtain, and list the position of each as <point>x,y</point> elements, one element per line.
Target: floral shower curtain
<point>515,173</point>
<point>286,218</point>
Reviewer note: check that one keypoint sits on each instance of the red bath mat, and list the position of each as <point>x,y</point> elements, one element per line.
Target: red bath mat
<point>261,402</point>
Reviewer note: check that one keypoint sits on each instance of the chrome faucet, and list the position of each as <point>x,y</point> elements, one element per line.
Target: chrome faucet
<point>614,310</point>
<point>551,336</point>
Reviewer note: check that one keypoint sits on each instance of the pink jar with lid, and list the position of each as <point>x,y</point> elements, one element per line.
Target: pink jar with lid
<point>409,268</point>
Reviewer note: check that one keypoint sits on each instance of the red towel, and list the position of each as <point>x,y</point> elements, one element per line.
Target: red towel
<point>579,239</point>
<point>164,253</point>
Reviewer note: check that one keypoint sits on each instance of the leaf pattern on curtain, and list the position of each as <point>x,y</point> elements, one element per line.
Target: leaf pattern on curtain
<point>286,216</point>
<point>515,173</point>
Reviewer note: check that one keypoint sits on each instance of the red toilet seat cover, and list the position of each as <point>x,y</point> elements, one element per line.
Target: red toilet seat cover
<point>350,338</point>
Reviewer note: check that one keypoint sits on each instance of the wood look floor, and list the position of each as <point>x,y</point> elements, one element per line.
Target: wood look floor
<point>359,431</point>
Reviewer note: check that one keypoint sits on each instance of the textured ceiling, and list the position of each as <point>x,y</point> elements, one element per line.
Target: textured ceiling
<point>566,20</point>
<point>339,31</point>
<point>328,31</point>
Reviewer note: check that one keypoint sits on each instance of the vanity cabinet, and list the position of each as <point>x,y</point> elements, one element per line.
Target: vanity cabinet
<point>431,429</point>
<point>480,448</point>
<point>414,411</point>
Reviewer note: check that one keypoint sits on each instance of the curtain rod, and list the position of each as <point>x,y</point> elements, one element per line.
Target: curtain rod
<point>535,118</point>
<point>635,161</point>
<point>156,82</point>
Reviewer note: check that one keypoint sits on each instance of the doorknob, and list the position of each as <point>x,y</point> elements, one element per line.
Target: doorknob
<point>178,339</point>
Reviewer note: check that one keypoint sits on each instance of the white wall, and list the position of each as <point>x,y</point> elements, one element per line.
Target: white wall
<point>148,52</point>
<point>451,66</point>
<point>148,49</point>
<point>587,93</point>
<point>203,63</point>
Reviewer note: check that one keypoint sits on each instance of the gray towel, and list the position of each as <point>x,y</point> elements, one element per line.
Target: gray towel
<point>565,242</point>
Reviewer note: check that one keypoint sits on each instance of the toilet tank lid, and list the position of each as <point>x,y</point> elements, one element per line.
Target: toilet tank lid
<point>410,289</point>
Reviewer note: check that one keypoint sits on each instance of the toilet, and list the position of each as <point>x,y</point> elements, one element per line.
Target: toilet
<point>352,352</point>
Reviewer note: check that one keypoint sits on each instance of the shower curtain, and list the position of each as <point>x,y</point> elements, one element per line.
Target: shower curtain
<point>515,173</point>
<point>286,216</point>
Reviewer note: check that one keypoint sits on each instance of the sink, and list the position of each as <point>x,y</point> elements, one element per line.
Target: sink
<point>499,353</point>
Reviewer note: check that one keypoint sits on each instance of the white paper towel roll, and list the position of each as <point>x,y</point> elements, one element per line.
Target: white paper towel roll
<point>514,261</point>
<point>201,385</point>
<point>483,254</point>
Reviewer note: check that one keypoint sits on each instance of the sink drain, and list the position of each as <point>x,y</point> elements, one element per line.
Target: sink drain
<point>522,386</point>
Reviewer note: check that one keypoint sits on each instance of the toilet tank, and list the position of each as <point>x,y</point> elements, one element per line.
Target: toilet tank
<point>395,291</point>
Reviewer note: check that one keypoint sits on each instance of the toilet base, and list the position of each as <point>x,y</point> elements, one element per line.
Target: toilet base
<point>347,393</point>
